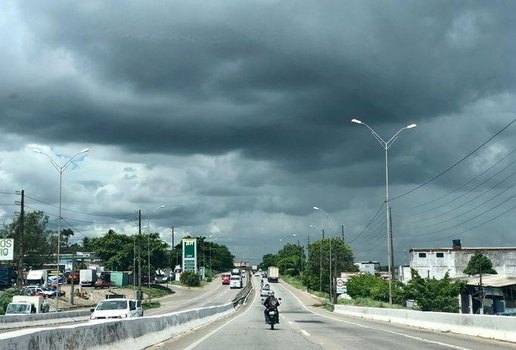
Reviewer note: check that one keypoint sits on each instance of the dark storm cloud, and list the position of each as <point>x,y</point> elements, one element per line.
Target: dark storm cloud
<point>273,80</point>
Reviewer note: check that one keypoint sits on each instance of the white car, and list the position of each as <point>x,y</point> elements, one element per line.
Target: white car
<point>235,282</point>
<point>117,309</point>
<point>265,290</point>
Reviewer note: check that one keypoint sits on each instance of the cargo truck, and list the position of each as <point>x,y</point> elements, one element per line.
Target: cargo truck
<point>37,278</point>
<point>87,277</point>
<point>26,305</point>
<point>273,274</point>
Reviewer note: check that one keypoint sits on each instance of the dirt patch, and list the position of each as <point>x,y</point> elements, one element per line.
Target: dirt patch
<point>89,296</point>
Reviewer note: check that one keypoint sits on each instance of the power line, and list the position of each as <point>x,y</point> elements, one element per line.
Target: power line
<point>472,199</point>
<point>454,165</point>
<point>74,211</point>
<point>466,183</point>
<point>374,217</point>
<point>463,222</point>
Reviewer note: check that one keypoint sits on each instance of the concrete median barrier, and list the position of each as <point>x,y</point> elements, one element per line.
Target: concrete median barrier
<point>486,326</point>
<point>136,333</point>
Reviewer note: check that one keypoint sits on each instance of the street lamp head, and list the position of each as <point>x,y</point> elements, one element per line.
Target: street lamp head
<point>85,150</point>
<point>411,126</point>
<point>317,208</point>
<point>37,150</point>
<point>356,121</point>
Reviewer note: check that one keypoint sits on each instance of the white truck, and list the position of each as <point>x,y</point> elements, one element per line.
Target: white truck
<point>273,274</point>
<point>37,278</point>
<point>26,305</point>
<point>87,277</point>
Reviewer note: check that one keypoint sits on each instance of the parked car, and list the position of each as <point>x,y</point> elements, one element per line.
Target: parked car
<point>117,308</point>
<point>104,281</point>
<point>52,280</point>
<point>35,290</point>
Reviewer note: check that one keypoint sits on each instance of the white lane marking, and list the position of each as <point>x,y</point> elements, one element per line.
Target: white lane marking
<point>305,333</point>
<point>378,329</point>
<point>194,344</point>
<point>290,322</point>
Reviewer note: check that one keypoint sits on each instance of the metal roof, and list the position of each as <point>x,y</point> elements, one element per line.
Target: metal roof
<point>493,281</point>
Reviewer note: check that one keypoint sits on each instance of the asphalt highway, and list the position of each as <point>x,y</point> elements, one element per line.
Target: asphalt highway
<point>305,325</point>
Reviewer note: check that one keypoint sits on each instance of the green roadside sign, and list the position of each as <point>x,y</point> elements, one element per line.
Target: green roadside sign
<point>190,255</point>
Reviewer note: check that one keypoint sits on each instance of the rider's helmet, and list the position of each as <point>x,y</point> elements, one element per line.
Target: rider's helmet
<point>271,293</point>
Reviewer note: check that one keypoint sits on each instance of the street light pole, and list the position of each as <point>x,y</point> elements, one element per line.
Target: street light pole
<point>330,224</point>
<point>61,170</point>
<point>320,257</point>
<point>148,241</point>
<point>386,145</point>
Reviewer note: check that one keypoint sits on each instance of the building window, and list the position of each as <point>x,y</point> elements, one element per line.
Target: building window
<point>422,255</point>
<point>440,255</point>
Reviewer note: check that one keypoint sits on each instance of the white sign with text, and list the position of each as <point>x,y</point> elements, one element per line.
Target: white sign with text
<point>6,249</point>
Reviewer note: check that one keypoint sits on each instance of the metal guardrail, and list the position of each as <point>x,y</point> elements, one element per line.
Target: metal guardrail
<point>242,295</point>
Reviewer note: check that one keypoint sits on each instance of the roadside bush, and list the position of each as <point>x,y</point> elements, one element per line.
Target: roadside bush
<point>190,279</point>
<point>434,295</point>
<point>6,297</point>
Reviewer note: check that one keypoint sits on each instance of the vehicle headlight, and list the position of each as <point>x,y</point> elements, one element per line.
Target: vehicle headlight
<point>93,317</point>
<point>123,316</point>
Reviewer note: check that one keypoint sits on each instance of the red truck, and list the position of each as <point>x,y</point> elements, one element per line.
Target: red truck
<point>72,276</point>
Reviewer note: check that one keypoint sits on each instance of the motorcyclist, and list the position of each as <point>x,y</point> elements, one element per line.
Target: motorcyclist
<point>271,301</point>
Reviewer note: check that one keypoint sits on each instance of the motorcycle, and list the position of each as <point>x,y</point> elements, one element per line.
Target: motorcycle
<point>273,316</point>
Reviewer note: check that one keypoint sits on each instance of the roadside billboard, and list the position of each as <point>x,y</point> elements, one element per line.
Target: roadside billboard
<point>6,249</point>
<point>190,255</point>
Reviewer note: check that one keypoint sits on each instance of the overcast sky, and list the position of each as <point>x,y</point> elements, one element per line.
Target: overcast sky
<point>236,116</point>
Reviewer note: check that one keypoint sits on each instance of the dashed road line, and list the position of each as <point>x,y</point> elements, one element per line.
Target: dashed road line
<point>305,333</point>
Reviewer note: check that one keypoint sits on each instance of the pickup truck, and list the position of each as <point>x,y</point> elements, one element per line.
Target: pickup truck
<point>116,308</point>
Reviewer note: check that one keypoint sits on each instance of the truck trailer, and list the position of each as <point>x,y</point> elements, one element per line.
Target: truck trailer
<point>273,274</point>
<point>87,277</point>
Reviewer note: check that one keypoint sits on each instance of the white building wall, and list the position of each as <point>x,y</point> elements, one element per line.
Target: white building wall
<point>436,262</point>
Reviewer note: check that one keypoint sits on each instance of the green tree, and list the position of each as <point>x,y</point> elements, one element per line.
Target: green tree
<point>116,250</point>
<point>317,269</point>
<point>433,294</point>
<point>37,242</point>
<point>66,234</point>
<point>221,256</point>
<point>479,264</point>
<point>290,259</point>
<point>268,260</point>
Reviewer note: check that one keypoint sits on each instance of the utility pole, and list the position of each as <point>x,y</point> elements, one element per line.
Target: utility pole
<point>307,247</point>
<point>331,277</point>
<point>172,264</point>
<point>21,227</point>
<point>320,262</point>
<point>342,232</point>
<point>73,279</point>
<point>139,254</point>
